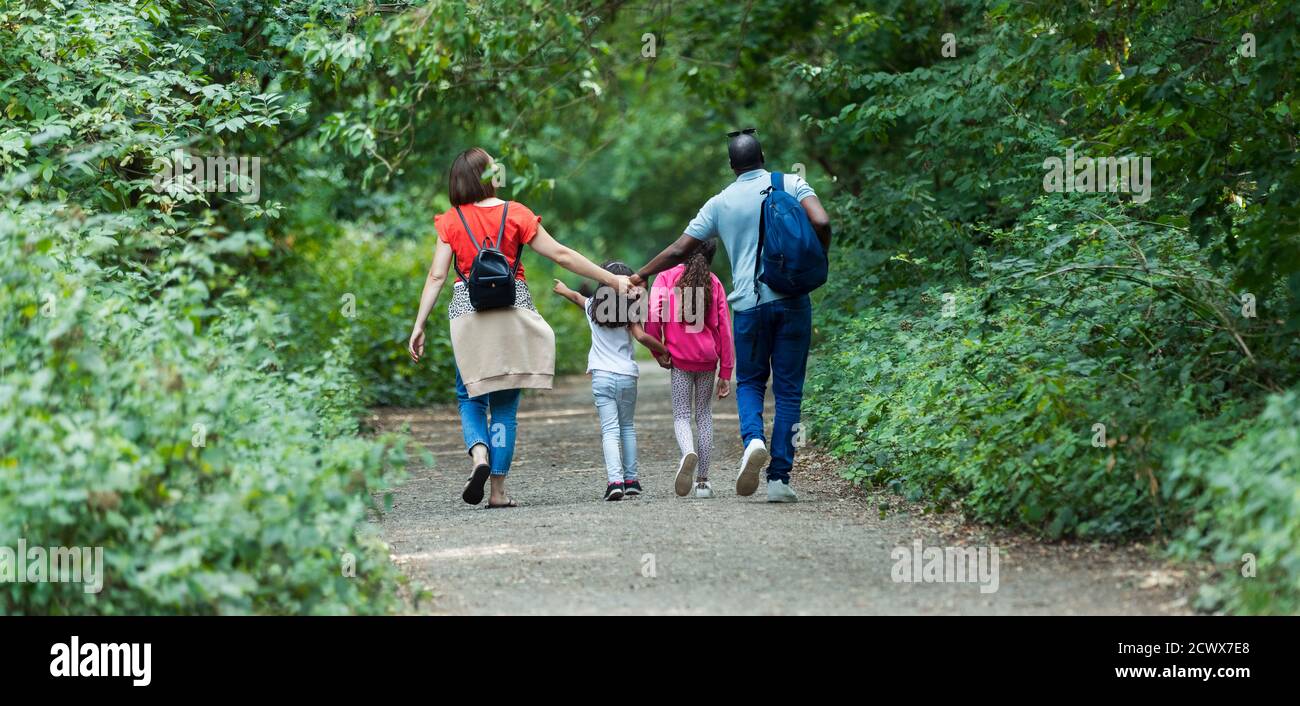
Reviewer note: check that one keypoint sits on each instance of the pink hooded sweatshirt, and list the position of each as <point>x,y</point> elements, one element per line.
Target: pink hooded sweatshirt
<point>694,348</point>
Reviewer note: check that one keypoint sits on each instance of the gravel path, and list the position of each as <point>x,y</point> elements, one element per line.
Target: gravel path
<point>566,551</point>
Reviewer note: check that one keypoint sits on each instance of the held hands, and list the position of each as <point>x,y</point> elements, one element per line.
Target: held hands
<point>724,388</point>
<point>665,360</point>
<point>625,287</point>
<point>416,345</point>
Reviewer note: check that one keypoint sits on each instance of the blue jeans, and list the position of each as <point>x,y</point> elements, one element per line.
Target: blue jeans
<point>615,396</point>
<point>773,339</point>
<point>474,424</point>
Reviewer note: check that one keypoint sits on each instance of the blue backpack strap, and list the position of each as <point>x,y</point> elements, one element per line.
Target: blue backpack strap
<point>778,184</point>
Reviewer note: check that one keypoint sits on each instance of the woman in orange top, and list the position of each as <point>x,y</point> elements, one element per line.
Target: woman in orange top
<point>501,351</point>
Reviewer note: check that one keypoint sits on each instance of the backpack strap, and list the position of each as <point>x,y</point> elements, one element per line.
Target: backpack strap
<point>470,233</point>
<point>778,184</point>
<point>501,234</point>
<point>455,266</point>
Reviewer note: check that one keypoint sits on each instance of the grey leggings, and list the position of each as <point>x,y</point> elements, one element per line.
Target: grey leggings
<point>696,387</point>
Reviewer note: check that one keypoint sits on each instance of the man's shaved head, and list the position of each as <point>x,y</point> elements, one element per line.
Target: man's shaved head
<point>745,153</point>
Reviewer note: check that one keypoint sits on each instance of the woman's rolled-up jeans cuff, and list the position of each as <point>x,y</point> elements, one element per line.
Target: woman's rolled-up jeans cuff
<point>492,459</point>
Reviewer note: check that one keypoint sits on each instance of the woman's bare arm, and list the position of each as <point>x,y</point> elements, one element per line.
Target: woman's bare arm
<point>432,288</point>
<point>573,261</point>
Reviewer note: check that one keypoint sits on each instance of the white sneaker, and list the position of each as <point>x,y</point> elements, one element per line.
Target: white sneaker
<point>685,474</point>
<point>754,460</point>
<point>780,492</point>
<point>703,490</point>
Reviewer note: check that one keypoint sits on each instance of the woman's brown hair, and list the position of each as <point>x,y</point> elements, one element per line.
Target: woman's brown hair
<point>467,181</point>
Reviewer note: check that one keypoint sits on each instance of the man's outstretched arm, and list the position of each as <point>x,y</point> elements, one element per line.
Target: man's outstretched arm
<point>671,256</point>
<point>821,222</point>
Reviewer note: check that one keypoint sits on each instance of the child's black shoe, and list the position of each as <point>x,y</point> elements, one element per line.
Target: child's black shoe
<point>614,491</point>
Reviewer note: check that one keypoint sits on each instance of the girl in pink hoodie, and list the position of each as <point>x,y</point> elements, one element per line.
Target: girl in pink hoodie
<point>688,313</point>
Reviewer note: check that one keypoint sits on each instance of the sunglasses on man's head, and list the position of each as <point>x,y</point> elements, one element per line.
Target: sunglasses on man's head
<point>746,131</point>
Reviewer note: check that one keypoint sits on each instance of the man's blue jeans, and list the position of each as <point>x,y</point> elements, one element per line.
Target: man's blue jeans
<point>773,339</point>
<point>499,438</point>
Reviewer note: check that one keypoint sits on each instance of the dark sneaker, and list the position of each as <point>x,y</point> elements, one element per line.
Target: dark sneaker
<point>631,487</point>
<point>614,491</point>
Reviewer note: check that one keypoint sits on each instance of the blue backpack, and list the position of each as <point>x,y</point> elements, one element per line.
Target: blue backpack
<point>792,258</point>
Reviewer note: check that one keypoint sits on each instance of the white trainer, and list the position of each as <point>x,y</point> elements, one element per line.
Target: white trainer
<point>703,490</point>
<point>754,460</point>
<point>779,491</point>
<point>685,474</point>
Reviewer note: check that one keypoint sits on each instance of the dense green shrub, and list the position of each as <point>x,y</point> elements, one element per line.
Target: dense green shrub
<point>1244,510</point>
<point>214,480</point>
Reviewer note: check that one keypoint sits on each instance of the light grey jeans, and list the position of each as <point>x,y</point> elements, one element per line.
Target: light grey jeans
<point>615,397</point>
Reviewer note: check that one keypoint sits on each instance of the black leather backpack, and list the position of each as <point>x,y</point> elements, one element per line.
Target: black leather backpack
<point>491,281</point>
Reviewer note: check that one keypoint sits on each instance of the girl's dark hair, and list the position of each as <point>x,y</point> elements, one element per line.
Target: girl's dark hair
<point>606,307</point>
<point>697,278</point>
<point>466,182</point>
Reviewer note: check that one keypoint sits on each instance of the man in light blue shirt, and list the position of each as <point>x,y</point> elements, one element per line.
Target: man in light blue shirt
<point>732,216</point>
<point>772,330</point>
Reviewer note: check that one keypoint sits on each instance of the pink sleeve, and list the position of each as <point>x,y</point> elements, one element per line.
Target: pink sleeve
<point>654,325</point>
<point>722,332</point>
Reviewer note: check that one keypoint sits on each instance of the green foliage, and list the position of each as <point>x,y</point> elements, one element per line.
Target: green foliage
<point>214,480</point>
<point>1245,511</point>
<point>984,391</point>
<point>1066,311</point>
<point>171,307</point>
<point>273,322</point>
<point>963,137</point>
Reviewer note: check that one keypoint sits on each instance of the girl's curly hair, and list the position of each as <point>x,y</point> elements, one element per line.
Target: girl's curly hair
<point>697,279</point>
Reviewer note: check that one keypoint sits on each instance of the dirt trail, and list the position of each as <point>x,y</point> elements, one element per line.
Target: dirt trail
<point>566,551</point>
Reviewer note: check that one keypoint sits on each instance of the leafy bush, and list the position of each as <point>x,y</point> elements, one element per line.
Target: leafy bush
<point>986,390</point>
<point>146,407</point>
<point>1245,511</point>
<point>141,416</point>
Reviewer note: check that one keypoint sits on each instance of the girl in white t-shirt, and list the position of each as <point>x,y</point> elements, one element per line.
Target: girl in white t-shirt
<point>614,322</point>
